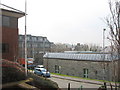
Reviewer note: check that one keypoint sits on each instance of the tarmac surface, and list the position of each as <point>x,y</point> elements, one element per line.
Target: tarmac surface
<point>83,80</point>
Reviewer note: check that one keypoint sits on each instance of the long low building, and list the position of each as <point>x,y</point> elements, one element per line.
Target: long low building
<point>94,66</point>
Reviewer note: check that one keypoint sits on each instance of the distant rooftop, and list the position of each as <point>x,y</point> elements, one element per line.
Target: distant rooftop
<point>91,57</point>
<point>32,35</point>
<point>82,52</point>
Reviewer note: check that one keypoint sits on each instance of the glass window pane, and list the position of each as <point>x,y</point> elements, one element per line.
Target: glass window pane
<point>6,21</point>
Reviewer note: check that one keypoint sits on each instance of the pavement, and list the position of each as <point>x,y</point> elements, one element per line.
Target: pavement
<point>83,80</point>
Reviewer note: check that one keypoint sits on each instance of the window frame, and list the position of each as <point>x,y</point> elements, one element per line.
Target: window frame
<point>85,72</point>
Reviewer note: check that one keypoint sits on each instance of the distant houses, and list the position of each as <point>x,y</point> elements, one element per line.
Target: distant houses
<point>88,65</point>
<point>36,47</point>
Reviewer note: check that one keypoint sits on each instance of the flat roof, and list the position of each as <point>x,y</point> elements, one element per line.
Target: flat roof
<point>12,13</point>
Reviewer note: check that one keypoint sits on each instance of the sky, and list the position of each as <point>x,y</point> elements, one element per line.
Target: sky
<point>64,21</point>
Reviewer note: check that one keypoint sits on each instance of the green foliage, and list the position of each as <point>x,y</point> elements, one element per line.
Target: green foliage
<point>11,72</point>
<point>42,82</point>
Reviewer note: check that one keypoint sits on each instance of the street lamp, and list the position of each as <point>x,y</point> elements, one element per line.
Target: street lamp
<point>33,51</point>
<point>104,54</point>
<point>25,39</point>
<point>104,41</point>
<point>44,45</point>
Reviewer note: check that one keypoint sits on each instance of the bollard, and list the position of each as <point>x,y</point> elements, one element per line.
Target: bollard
<point>81,87</point>
<point>68,86</point>
<point>105,86</point>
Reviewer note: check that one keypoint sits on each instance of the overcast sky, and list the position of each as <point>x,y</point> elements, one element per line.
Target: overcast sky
<point>64,21</point>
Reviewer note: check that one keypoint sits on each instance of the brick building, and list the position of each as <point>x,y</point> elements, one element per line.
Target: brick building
<point>9,33</point>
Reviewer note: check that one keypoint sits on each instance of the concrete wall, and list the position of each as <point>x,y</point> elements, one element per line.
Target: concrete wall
<point>76,68</point>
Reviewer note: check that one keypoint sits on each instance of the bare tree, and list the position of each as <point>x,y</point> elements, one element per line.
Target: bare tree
<point>113,22</point>
<point>87,47</point>
<point>59,47</point>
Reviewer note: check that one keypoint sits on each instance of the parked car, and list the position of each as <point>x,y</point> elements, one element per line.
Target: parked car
<point>42,72</point>
<point>39,66</point>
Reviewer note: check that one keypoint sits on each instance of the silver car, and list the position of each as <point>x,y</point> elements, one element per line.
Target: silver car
<point>42,72</point>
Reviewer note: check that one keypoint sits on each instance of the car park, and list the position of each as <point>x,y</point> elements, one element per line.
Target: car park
<point>42,72</point>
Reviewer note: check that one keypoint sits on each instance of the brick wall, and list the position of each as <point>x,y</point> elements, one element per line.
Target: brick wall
<point>10,37</point>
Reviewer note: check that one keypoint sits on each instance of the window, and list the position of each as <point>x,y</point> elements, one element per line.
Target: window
<point>35,45</point>
<point>5,48</point>
<point>47,45</point>
<point>56,69</point>
<point>29,45</point>
<point>96,72</point>
<point>20,37</point>
<point>28,38</point>
<point>6,21</point>
<point>44,39</point>
<point>40,39</point>
<point>38,70</point>
<point>85,71</point>
<point>34,38</point>
<point>0,20</point>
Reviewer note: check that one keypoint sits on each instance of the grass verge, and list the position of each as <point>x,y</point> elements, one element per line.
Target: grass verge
<point>84,78</point>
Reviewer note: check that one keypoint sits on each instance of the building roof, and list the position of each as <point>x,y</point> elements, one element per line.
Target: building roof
<point>91,57</point>
<point>9,11</point>
<point>35,37</point>
<point>83,52</point>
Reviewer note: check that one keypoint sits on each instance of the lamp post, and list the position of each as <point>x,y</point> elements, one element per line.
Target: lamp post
<point>104,39</point>
<point>104,54</point>
<point>104,59</point>
<point>33,51</point>
<point>25,39</point>
<point>43,45</point>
